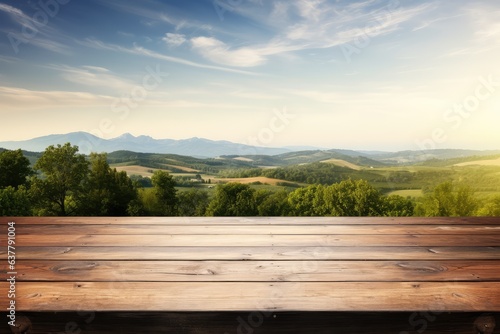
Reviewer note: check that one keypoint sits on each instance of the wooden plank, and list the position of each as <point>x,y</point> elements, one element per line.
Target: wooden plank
<point>256,322</point>
<point>124,229</point>
<point>228,296</point>
<point>254,220</point>
<point>255,240</point>
<point>254,253</point>
<point>258,271</point>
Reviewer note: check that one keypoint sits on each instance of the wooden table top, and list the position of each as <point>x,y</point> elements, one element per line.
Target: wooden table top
<point>242,264</point>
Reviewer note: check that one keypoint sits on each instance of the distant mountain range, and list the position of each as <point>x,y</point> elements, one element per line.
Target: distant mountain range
<point>196,147</point>
<point>205,148</point>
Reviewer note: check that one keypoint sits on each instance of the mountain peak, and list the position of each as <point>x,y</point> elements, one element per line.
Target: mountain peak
<point>195,146</point>
<point>125,136</point>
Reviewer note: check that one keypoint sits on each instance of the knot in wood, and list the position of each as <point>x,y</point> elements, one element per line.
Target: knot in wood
<point>23,325</point>
<point>485,324</point>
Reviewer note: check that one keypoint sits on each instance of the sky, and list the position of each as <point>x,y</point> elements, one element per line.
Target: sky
<point>366,75</point>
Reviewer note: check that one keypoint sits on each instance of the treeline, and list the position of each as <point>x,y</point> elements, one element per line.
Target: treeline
<point>484,178</point>
<point>63,182</point>
<point>317,172</point>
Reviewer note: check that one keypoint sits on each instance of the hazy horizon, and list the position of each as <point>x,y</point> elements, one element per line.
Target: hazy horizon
<point>361,75</point>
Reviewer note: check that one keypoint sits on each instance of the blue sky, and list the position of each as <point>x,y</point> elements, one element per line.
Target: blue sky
<point>384,75</point>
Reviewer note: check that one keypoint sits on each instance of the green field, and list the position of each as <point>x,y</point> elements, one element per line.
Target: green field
<point>414,180</point>
<point>414,193</point>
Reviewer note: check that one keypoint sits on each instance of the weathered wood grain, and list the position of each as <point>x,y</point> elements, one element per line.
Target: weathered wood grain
<point>248,296</point>
<point>258,271</point>
<point>172,264</point>
<point>254,253</point>
<point>148,229</point>
<point>256,240</point>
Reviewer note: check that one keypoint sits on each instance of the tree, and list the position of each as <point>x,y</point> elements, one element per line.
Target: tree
<point>276,204</point>
<point>491,208</point>
<point>233,199</point>
<point>106,192</point>
<point>14,202</point>
<point>193,202</point>
<point>140,181</point>
<point>14,169</point>
<point>304,201</point>
<point>164,193</point>
<point>465,201</point>
<point>397,206</point>
<point>63,171</point>
<point>448,200</point>
<point>352,198</point>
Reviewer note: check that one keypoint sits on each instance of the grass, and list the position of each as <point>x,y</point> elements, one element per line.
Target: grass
<point>136,170</point>
<point>342,163</point>
<point>491,162</point>
<point>408,193</point>
<point>249,180</point>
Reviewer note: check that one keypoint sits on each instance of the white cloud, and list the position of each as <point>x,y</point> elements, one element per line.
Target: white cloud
<point>174,40</point>
<point>307,24</point>
<point>16,14</point>
<point>218,52</point>
<point>41,35</point>
<point>310,9</point>
<point>93,76</point>
<point>50,45</point>
<point>12,98</point>
<point>136,50</point>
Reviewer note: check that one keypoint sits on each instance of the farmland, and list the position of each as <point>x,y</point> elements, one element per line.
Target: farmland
<point>297,183</point>
<point>312,167</point>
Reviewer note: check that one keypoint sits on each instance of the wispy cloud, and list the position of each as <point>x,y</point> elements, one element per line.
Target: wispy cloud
<point>7,59</point>
<point>41,35</point>
<point>483,22</point>
<point>16,14</point>
<point>93,76</point>
<point>220,53</point>
<point>173,39</point>
<point>137,50</point>
<point>157,13</point>
<point>13,98</point>
<point>294,26</point>
<point>431,22</point>
<point>319,25</point>
<point>51,45</point>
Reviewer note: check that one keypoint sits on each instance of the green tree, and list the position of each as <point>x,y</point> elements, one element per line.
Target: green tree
<point>491,208</point>
<point>193,202</point>
<point>233,199</point>
<point>63,171</point>
<point>14,169</point>
<point>397,206</point>
<point>164,193</point>
<point>140,181</point>
<point>304,201</point>
<point>106,192</point>
<point>448,200</point>
<point>276,204</point>
<point>352,198</point>
<point>466,203</point>
<point>15,202</point>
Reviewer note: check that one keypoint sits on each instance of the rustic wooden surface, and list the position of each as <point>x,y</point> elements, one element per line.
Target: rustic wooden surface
<point>246,264</point>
